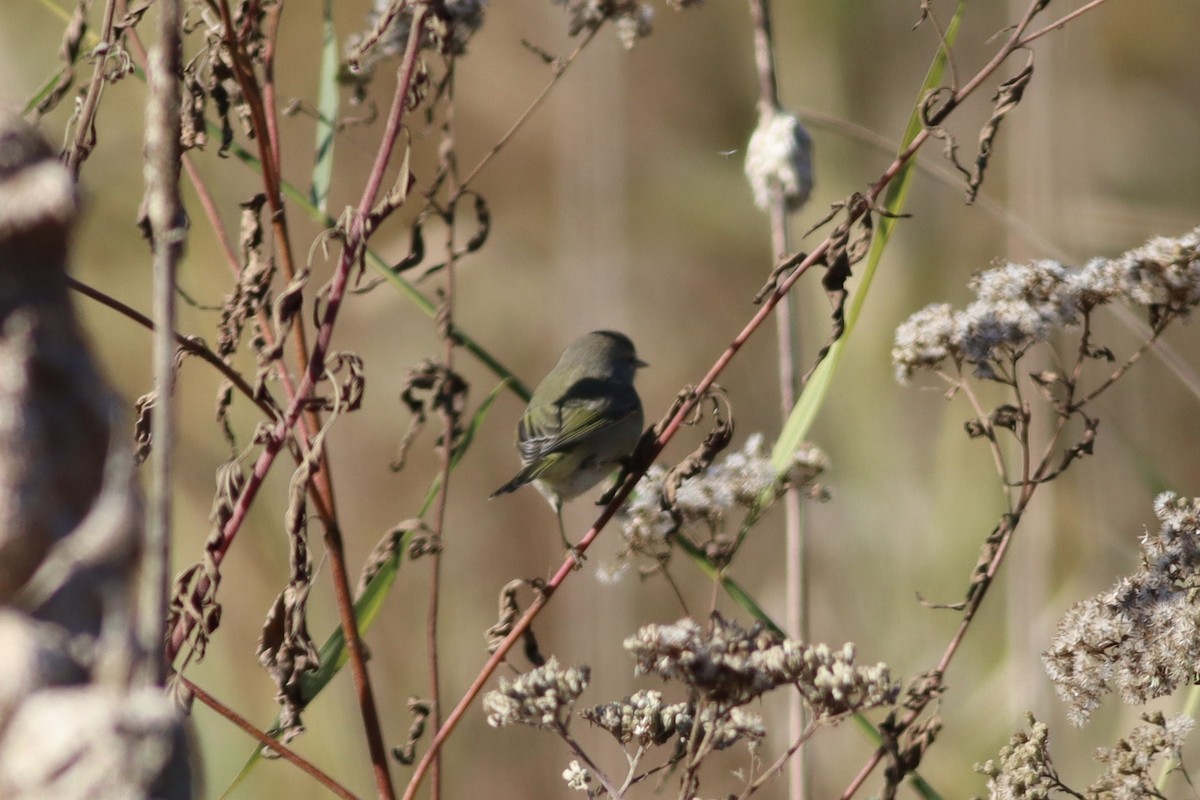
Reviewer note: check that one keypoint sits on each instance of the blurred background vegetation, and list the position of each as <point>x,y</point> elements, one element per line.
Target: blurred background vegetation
<point>622,205</point>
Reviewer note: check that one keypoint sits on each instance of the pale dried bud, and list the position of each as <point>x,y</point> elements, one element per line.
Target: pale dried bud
<point>779,159</point>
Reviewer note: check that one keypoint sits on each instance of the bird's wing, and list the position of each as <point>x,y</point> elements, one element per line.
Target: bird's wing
<point>586,408</point>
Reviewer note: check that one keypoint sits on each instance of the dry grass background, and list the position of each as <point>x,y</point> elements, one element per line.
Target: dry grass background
<point>617,206</point>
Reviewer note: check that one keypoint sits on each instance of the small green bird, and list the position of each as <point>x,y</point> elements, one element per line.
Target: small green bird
<point>583,420</point>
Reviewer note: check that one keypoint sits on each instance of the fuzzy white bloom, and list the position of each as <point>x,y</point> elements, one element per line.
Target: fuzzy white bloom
<point>779,157</point>
<point>1019,305</point>
<point>448,30</point>
<point>925,339</point>
<point>577,777</point>
<point>634,25</point>
<point>1142,637</point>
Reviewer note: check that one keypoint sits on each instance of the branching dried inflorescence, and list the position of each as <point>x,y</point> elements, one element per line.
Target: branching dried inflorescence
<point>740,480</point>
<point>1130,761</point>
<point>541,698</point>
<point>1141,637</point>
<point>731,666</point>
<point>1019,305</point>
<point>641,718</point>
<point>721,669</point>
<point>1024,770</point>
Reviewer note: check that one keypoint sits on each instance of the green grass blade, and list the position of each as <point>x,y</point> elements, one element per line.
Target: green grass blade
<point>800,421</point>
<point>327,111</point>
<point>43,91</point>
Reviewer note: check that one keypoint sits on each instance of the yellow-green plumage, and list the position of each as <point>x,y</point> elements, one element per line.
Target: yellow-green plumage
<point>584,418</point>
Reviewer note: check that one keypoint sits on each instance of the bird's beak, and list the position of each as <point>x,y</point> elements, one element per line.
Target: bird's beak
<point>638,363</point>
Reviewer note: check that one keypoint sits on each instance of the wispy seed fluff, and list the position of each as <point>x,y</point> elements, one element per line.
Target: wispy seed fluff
<point>1019,305</point>
<point>779,158</point>
<point>1141,637</point>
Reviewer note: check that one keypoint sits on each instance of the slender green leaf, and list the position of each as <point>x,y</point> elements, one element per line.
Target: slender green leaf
<point>808,405</point>
<point>43,91</point>
<point>327,111</point>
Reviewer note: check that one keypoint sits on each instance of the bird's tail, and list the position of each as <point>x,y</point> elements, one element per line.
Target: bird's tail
<point>523,477</point>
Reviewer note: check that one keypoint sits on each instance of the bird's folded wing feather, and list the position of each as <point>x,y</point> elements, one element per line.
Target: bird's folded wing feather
<point>548,430</point>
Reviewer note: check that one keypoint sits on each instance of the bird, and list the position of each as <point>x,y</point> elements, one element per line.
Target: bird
<point>582,422</point>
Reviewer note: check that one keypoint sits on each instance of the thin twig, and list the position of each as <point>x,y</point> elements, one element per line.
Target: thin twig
<point>613,792</point>
<point>1060,22</point>
<point>779,764</point>
<point>164,209</point>
<point>787,342</point>
<point>559,69</point>
<point>445,322</point>
<point>355,237</point>
<point>188,343</point>
<point>287,753</point>
<point>86,120</point>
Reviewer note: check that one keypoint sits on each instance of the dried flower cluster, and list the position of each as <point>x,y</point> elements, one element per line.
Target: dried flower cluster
<point>1142,637</point>
<point>642,718</point>
<point>1130,761</point>
<point>779,159</point>
<point>541,698</point>
<point>1019,305</point>
<point>1024,770</point>
<point>738,481</point>
<point>731,666</point>
<point>631,18</point>
<point>448,28</point>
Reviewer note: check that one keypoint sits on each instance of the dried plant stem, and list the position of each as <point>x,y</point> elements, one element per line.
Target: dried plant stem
<point>308,424</point>
<point>263,120</point>
<point>165,212</point>
<point>445,325</point>
<point>355,237</point>
<point>1063,20</point>
<point>1129,362</point>
<point>804,735</point>
<point>85,122</point>
<point>285,752</point>
<point>788,340</point>
<point>613,791</point>
<point>560,68</point>
<point>993,445</point>
<point>189,344</point>
<point>320,492</point>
